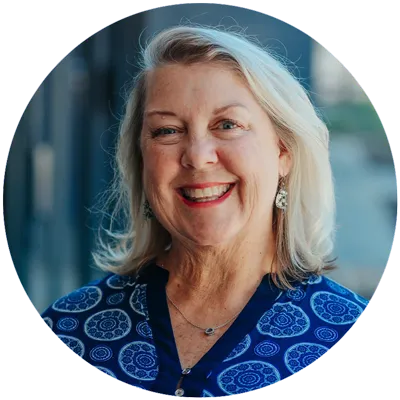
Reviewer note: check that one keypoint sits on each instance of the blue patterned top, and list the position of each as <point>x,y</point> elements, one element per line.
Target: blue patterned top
<point>121,325</point>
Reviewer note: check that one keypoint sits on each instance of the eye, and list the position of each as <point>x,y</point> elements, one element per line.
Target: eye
<point>228,125</point>
<point>163,132</point>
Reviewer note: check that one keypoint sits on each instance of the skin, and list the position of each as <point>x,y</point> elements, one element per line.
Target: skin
<point>202,124</point>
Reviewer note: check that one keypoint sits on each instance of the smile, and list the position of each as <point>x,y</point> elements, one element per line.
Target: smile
<point>203,196</point>
<point>206,194</point>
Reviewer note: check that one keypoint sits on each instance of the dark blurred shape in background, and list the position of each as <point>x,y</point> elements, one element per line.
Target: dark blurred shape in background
<point>59,162</point>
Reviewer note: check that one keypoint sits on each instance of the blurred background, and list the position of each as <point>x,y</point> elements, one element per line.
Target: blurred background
<point>59,162</point>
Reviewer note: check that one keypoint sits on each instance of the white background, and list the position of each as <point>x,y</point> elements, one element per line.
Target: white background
<point>33,33</point>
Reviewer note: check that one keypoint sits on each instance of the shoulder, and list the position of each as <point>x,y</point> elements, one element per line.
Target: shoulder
<point>109,293</point>
<point>343,290</point>
<point>322,302</point>
<point>322,286</point>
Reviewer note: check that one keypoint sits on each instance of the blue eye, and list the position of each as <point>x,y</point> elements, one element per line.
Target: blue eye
<point>163,132</point>
<point>228,125</point>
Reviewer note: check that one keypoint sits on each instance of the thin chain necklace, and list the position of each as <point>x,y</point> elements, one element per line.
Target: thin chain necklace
<point>208,331</point>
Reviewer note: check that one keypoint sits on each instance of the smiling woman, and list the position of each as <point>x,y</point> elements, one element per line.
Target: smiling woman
<point>216,285</point>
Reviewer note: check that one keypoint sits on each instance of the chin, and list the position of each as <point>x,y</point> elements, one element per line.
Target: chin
<point>215,238</point>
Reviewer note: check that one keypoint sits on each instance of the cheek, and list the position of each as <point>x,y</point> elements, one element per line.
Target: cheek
<point>255,158</point>
<point>159,167</point>
<point>256,164</point>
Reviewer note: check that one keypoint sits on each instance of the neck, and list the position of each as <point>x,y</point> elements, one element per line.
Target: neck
<point>221,274</point>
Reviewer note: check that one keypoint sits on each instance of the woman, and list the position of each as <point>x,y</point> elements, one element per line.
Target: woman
<point>216,285</point>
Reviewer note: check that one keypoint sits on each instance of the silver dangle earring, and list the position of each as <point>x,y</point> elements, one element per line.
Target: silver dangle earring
<point>281,196</point>
<point>147,211</point>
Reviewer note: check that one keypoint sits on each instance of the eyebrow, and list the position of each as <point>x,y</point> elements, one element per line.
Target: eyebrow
<point>159,112</point>
<point>224,108</point>
<point>215,112</point>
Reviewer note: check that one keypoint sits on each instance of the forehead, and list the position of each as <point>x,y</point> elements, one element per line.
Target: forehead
<point>197,86</point>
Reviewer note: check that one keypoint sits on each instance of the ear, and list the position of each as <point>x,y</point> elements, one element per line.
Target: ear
<point>285,159</point>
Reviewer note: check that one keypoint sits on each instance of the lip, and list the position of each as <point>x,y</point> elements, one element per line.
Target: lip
<point>206,204</point>
<point>205,185</point>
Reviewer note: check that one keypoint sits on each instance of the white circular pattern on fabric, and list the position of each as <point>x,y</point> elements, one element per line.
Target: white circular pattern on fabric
<point>106,371</point>
<point>313,280</point>
<point>240,348</point>
<point>206,393</point>
<point>120,281</point>
<point>80,300</point>
<point>49,322</point>
<point>115,299</point>
<point>266,349</point>
<point>334,309</point>
<point>138,300</point>
<point>301,355</point>
<point>336,287</point>
<point>108,325</point>
<point>283,320</point>
<point>326,334</point>
<point>247,376</point>
<point>143,329</point>
<point>361,299</point>
<point>67,324</point>
<point>296,294</point>
<point>139,360</point>
<point>101,353</point>
<point>74,344</point>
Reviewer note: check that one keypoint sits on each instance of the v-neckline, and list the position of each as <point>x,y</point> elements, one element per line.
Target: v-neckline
<point>159,317</point>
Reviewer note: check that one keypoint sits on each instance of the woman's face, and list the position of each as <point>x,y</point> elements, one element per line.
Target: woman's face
<point>211,157</point>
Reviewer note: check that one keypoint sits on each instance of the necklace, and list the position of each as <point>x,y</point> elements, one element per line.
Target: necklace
<point>208,331</point>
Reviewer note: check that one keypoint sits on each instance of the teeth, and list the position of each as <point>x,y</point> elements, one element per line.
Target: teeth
<point>206,194</point>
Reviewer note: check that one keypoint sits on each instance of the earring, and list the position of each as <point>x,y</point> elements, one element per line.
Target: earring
<point>281,197</point>
<point>147,211</point>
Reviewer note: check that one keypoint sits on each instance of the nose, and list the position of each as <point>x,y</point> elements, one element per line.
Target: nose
<point>199,153</point>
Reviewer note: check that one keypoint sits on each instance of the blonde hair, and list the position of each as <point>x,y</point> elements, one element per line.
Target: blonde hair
<point>304,232</point>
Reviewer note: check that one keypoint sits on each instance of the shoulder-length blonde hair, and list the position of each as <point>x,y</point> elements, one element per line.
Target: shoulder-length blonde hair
<point>304,232</point>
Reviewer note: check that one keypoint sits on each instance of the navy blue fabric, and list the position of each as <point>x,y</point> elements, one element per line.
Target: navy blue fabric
<point>121,325</point>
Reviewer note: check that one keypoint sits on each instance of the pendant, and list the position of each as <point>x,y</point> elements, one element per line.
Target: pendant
<point>209,331</point>
<point>281,199</point>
